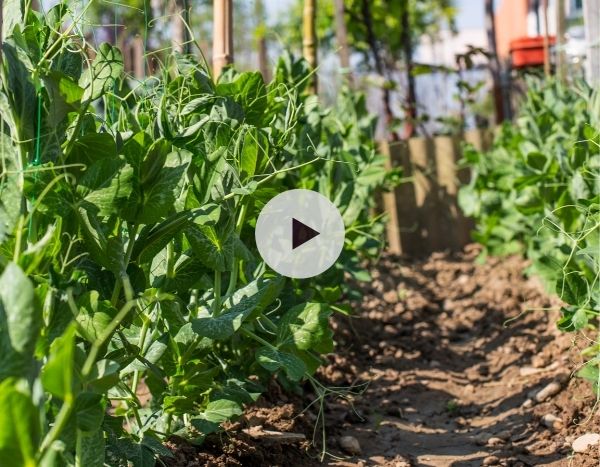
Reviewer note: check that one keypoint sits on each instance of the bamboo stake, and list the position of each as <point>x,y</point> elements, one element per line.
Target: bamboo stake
<point>309,39</point>
<point>222,35</point>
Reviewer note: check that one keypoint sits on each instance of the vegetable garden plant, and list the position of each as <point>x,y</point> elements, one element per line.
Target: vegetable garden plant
<point>537,192</point>
<point>127,253</point>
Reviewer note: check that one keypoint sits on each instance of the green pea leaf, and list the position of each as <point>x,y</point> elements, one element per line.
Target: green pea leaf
<point>221,410</point>
<point>58,375</point>
<point>273,360</point>
<point>20,321</point>
<point>305,327</point>
<point>19,436</point>
<point>103,74</point>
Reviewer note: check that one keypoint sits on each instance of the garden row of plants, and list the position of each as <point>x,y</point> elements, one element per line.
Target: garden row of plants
<point>127,255</point>
<point>537,192</point>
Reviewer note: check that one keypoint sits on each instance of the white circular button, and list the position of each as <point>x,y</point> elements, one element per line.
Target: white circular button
<point>300,233</point>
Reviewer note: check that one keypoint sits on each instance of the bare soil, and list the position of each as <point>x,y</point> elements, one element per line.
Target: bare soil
<point>454,353</point>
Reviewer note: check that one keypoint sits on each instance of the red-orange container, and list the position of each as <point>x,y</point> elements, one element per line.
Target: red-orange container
<point>528,51</point>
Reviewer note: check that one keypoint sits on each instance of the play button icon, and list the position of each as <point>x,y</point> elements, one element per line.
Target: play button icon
<point>300,233</point>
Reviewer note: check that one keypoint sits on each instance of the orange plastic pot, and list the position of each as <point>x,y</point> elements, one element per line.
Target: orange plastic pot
<point>528,51</point>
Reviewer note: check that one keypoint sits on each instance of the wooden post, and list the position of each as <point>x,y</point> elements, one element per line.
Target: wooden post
<point>341,36</point>
<point>309,40</point>
<point>546,39</point>
<point>222,35</point>
<point>561,56</point>
<point>390,204</point>
<point>591,19</point>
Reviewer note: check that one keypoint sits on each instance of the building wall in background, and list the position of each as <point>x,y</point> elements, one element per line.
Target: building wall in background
<point>511,23</point>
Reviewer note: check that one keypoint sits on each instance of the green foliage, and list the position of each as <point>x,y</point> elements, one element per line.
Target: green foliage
<point>426,18</point>
<point>127,252</point>
<point>537,192</point>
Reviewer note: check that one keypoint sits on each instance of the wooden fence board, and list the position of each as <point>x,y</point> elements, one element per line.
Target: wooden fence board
<point>423,214</point>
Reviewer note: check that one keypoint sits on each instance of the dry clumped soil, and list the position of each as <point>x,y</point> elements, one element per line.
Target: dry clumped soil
<point>451,363</point>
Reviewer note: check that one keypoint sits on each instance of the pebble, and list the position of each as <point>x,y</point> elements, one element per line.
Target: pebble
<point>350,444</point>
<point>527,404</point>
<point>540,361</point>
<point>491,460</point>
<point>582,443</point>
<point>552,421</point>
<point>529,371</point>
<point>550,390</point>
<point>495,441</point>
<point>391,296</point>
<point>481,438</point>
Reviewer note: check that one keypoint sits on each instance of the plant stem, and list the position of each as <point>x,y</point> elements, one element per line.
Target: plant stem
<point>107,334</point>
<point>257,338</point>
<point>59,424</point>
<point>233,277</point>
<point>217,294</point>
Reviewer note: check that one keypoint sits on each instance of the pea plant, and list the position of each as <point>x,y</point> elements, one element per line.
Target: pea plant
<point>127,257</point>
<point>538,193</point>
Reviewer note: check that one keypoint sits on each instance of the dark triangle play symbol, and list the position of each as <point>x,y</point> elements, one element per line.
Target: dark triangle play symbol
<point>301,233</point>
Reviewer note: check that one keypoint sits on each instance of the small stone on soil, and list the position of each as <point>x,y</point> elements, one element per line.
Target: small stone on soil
<point>482,438</point>
<point>552,421</point>
<point>350,444</point>
<point>495,441</point>
<point>550,390</point>
<point>584,442</point>
<point>491,460</point>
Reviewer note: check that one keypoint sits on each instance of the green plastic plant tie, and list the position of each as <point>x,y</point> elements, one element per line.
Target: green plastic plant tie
<point>37,160</point>
<point>113,117</point>
<point>38,154</point>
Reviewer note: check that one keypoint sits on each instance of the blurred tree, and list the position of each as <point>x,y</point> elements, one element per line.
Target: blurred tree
<point>180,21</point>
<point>490,26</point>
<point>384,33</point>
<point>341,37</point>
<point>260,32</point>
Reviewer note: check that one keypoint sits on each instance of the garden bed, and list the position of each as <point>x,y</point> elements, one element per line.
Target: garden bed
<point>450,381</point>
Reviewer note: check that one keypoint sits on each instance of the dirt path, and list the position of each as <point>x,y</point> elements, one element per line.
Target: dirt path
<point>450,382</point>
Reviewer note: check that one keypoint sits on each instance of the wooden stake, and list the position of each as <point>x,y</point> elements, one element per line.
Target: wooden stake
<point>309,39</point>
<point>390,203</point>
<point>222,35</point>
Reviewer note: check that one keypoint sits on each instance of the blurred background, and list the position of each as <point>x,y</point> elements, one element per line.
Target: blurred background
<point>428,66</point>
